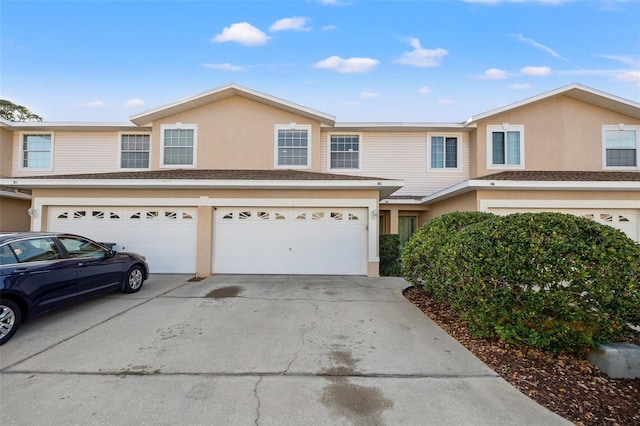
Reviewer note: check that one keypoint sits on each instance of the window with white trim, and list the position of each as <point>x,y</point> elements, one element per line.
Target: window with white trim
<point>179,142</point>
<point>505,146</point>
<point>36,151</point>
<point>620,146</point>
<point>344,151</point>
<point>444,152</point>
<point>293,146</point>
<point>134,151</point>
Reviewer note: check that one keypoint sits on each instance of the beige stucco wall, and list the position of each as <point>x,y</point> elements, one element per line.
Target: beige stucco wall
<point>559,134</point>
<point>13,214</point>
<point>558,195</point>
<point>463,203</point>
<point>6,150</point>
<point>236,133</point>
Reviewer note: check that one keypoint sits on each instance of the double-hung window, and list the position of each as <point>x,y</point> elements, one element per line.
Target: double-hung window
<point>36,149</point>
<point>134,151</point>
<point>505,146</point>
<point>293,146</point>
<point>344,152</point>
<point>443,152</point>
<point>620,145</point>
<point>179,143</point>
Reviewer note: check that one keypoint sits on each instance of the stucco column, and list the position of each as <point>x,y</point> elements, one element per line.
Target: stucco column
<point>394,219</point>
<point>204,242</point>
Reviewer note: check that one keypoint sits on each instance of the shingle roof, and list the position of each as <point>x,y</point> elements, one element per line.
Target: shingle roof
<point>210,174</point>
<point>563,176</point>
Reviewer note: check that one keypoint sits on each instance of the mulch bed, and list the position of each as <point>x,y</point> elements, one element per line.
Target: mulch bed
<point>573,388</point>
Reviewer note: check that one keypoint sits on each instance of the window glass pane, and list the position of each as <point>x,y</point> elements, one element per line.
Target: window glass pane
<point>345,151</point>
<point>513,148</point>
<point>621,158</point>
<point>36,151</point>
<point>451,150</point>
<point>178,146</point>
<point>437,152</point>
<point>35,250</point>
<point>78,248</point>
<point>621,139</point>
<point>134,151</point>
<point>498,148</point>
<point>292,147</point>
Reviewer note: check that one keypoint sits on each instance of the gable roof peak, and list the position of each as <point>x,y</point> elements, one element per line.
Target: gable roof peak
<point>227,91</point>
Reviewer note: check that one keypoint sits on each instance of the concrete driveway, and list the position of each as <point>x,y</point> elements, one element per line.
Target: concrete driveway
<point>252,350</point>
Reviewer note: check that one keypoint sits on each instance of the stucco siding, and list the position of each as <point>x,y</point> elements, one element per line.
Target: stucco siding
<point>559,134</point>
<point>74,152</point>
<point>13,214</point>
<point>403,156</point>
<point>6,149</point>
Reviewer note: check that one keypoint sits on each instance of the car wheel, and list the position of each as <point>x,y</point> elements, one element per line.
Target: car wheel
<point>10,318</point>
<point>134,280</point>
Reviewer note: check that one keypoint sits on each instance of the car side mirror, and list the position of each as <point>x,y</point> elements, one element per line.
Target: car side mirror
<point>111,253</point>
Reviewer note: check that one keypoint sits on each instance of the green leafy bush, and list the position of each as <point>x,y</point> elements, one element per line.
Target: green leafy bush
<point>549,280</point>
<point>425,256</point>
<point>390,255</point>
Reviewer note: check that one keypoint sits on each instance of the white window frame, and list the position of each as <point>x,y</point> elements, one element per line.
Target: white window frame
<point>291,126</point>
<point>359,135</point>
<point>505,127</point>
<point>445,169</point>
<point>21,150</point>
<point>193,127</point>
<point>604,146</point>
<point>120,134</point>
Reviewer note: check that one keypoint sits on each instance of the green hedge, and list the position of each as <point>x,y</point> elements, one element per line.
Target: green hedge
<point>390,255</point>
<point>548,280</point>
<point>423,264</point>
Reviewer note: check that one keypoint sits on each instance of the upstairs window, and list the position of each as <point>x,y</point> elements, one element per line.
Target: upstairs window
<point>36,151</point>
<point>621,146</point>
<point>505,146</point>
<point>344,152</point>
<point>134,151</point>
<point>293,146</point>
<point>444,152</point>
<point>179,143</point>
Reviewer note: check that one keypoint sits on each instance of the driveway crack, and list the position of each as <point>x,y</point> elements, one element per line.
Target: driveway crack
<point>255,392</point>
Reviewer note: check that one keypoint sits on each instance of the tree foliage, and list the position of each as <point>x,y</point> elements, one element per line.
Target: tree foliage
<point>13,112</point>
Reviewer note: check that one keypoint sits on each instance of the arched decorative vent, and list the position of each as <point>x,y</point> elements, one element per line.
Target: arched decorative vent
<point>605,217</point>
<point>112,215</point>
<point>186,216</point>
<point>170,215</point>
<point>64,215</point>
<point>79,214</point>
<point>280,216</point>
<point>244,215</point>
<point>263,215</point>
<point>152,215</point>
<point>228,216</point>
<point>97,214</point>
<point>135,216</point>
<point>301,216</point>
<point>336,216</point>
<point>623,219</point>
<point>317,216</point>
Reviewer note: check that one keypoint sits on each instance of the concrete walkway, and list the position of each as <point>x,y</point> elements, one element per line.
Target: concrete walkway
<point>252,350</point>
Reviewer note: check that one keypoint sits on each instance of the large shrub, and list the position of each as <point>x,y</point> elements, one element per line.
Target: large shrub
<point>424,257</point>
<point>549,280</point>
<point>390,255</point>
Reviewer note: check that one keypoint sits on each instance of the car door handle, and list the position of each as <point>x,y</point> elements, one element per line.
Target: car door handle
<point>20,270</point>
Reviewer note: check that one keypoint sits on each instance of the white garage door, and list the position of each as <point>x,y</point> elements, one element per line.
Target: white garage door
<point>627,221</point>
<point>166,236</point>
<point>290,241</point>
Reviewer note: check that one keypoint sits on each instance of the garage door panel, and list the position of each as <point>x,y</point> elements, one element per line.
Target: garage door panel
<point>290,241</point>
<point>166,236</point>
<point>626,220</point>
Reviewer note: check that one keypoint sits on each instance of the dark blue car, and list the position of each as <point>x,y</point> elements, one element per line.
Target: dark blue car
<point>43,271</point>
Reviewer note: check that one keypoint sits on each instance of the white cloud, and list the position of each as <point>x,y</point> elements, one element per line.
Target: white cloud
<point>624,59</point>
<point>424,90</point>
<point>539,46</point>
<point>348,66</point>
<point>519,86</point>
<point>369,95</point>
<point>224,67</point>
<point>420,57</point>
<point>333,2</point>
<point>446,101</point>
<point>290,24</point>
<point>92,104</point>
<point>134,102</point>
<point>495,74</point>
<point>329,28</point>
<point>536,71</point>
<point>629,76</point>
<point>243,33</point>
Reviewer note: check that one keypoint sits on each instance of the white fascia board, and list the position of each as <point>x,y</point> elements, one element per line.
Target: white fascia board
<point>61,125</point>
<point>471,185</point>
<point>16,195</point>
<point>402,201</point>
<point>395,126</point>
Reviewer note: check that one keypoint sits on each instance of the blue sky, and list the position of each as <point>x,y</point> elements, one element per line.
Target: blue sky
<point>410,61</point>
